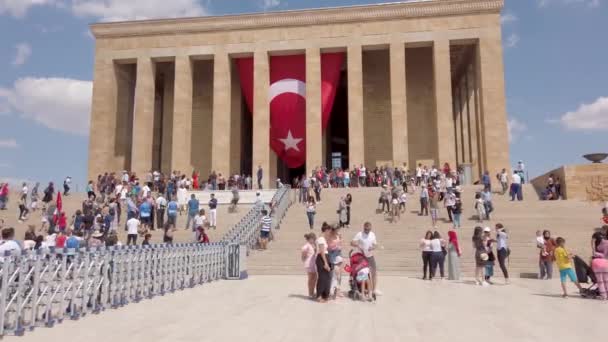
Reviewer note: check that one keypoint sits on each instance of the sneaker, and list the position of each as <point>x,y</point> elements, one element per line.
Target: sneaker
<point>378,292</point>
<point>485,283</point>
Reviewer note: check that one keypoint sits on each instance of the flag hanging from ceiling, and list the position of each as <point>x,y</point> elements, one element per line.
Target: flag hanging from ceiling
<point>287,100</point>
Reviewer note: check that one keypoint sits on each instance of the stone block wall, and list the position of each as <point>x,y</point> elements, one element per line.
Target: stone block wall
<point>587,182</point>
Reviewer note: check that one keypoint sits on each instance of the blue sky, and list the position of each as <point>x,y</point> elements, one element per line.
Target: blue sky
<point>556,71</point>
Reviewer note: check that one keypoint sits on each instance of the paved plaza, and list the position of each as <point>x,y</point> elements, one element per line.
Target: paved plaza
<point>275,308</point>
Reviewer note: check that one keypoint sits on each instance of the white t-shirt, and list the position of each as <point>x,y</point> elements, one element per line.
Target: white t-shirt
<point>503,177</point>
<point>24,191</point>
<point>516,179</point>
<point>365,242</point>
<point>7,246</point>
<point>436,245</point>
<point>425,245</point>
<point>321,242</point>
<point>145,191</point>
<point>199,220</point>
<point>118,189</point>
<point>161,202</point>
<point>132,225</point>
<point>362,172</point>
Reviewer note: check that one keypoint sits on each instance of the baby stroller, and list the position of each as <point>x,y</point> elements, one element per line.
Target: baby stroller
<point>585,274</point>
<point>357,262</point>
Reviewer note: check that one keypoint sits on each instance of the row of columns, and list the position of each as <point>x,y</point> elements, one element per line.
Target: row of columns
<point>262,155</point>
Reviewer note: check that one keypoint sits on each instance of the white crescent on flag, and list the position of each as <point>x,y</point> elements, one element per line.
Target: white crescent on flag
<point>287,85</point>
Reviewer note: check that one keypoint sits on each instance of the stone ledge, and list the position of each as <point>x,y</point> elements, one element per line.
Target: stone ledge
<point>336,15</point>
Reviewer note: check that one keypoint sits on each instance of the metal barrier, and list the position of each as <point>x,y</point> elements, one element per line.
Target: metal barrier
<point>246,232</point>
<point>44,287</point>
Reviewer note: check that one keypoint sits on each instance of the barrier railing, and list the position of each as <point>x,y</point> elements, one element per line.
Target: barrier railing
<point>246,232</point>
<point>46,286</point>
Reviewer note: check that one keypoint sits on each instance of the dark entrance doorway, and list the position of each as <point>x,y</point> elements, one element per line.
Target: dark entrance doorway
<point>336,138</point>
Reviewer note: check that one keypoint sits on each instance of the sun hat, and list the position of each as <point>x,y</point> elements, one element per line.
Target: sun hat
<point>487,229</point>
<point>97,234</point>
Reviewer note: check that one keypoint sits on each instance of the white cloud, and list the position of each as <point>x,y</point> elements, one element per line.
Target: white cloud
<point>267,4</point>
<point>8,143</point>
<point>516,128</point>
<point>18,8</point>
<point>588,117</point>
<point>508,18</point>
<point>588,3</point>
<point>119,10</point>
<point>24,50</point>
<point>512,40</point>
<point>59,103</point>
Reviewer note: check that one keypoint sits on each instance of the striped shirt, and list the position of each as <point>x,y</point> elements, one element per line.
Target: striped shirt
<point>266,223</point>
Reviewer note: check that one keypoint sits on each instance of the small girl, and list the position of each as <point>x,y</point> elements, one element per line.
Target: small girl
<point>336,279</point>
<point>308,260</point>
<point>479,206</point>
<point>456,213</point>
<point>147,238</point>
<point>363,280</point>
<point>402,201</point>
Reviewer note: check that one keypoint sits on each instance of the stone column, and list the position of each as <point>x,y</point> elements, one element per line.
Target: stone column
<point>103,119</point>
<point>494,132</point>
<point>261,118</point>
<point>356,143</point>
<point>220,143</point>
<point>236,121</point>
<point>182,116</point>
<point>464,120</point>
<point>457,112</point>
<point>314,136</point>
<point>167,122</point>
<point>399,104</point>
<point>143,117</point>
<point>446,151</point>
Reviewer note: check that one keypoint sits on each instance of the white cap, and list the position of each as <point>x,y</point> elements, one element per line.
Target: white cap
<point>338,260</point>
<point>487,229</point>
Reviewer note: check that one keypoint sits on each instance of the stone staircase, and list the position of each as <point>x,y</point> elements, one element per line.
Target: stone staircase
<point>399,253</point>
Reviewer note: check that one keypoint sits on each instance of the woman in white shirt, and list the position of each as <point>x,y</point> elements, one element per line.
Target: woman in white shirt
<point>438,253</point>
<point>323,265</point>
<point>425,247</point>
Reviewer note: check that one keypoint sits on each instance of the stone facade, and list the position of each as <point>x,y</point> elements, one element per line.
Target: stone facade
<point>424,80</point>
<point>587,182</point>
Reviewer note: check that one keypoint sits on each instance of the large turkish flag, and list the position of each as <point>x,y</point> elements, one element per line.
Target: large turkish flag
<point>287,100</point>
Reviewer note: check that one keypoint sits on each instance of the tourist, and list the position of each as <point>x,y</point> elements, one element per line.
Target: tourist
<point>48,194</point>
<point>384,199</point>
<point>193,209</point>
<point>23,210</point>
<point>132,230</point>
<point>362,175</point>
<point>502,249</point>
<point>311,210</point>
<point>547,256</point>
<point>342,218</point>
<point>395,211</point>
<point>317,187</point>
<point>4,192</point>
<point>563,259</point>
<point>457,213</point>
<point>308,259</point>
<point>172,209</point>
<point>334,251</point>
<point>200,221</point>
<point>449,201</point>
<point>349,201</point>
<point>599,265</point>
<point>434,205</point>
<point>486,196</point>
<point>489,242</point>
<point>66,185</point>
<point>438,246</point>
<point>516,191</point>
<point>346,178</point>
<point>96,240</point>
<point>323,266</point>
<point>481,256</point>
<point>480,208</point>
<point>486,181</point>
<point>424,200</point>
<point>161,206</point>
<point>147,239</point>
<point>403,200</point>
<point>265,230</point>
<point>168,231</point>
<point>425,247</point>
<point>34,198</point>
<point>503,177</point>
<point>366,242</point>
<point>520,170</point>
<point>213,212</point>
<point>8,243</point>
<point>145,212</point>
<point>182,199</point>
<point>599,240</point>
<point>454,254</point>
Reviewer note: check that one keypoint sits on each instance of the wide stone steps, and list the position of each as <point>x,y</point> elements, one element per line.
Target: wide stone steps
<point>399,253</point>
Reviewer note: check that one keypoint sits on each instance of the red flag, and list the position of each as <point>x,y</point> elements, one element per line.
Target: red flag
<point>287,97</point>
<point>59,203</point>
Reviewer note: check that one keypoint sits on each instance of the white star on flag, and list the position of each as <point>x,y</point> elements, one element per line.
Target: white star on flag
<point>291,142</point>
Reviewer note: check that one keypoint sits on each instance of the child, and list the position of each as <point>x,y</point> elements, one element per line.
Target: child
<point>308,259</point>
<point>402,201</point>
<point>599,265</point>
<point>563,259</point>
<point>456,213</point>
<point>363,280</point>
<point>147,238</point>
<point>479,206</point>
<point>336,279</point>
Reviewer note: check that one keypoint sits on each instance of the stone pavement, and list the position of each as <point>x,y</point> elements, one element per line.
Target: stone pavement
<point>274,308</point>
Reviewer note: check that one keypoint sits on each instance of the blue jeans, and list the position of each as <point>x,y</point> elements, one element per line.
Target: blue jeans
<point>190,218</point>
<point>546,269</point>
<point>456,219</point>
<point>311,219</point>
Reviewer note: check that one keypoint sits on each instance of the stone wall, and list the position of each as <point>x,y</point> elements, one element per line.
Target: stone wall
<point>580,182</point>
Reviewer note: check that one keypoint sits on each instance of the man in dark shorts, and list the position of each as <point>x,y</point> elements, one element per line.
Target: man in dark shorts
<point>265,230</point>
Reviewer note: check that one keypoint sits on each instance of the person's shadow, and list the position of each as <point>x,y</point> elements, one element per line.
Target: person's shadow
<point>300,296</point>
